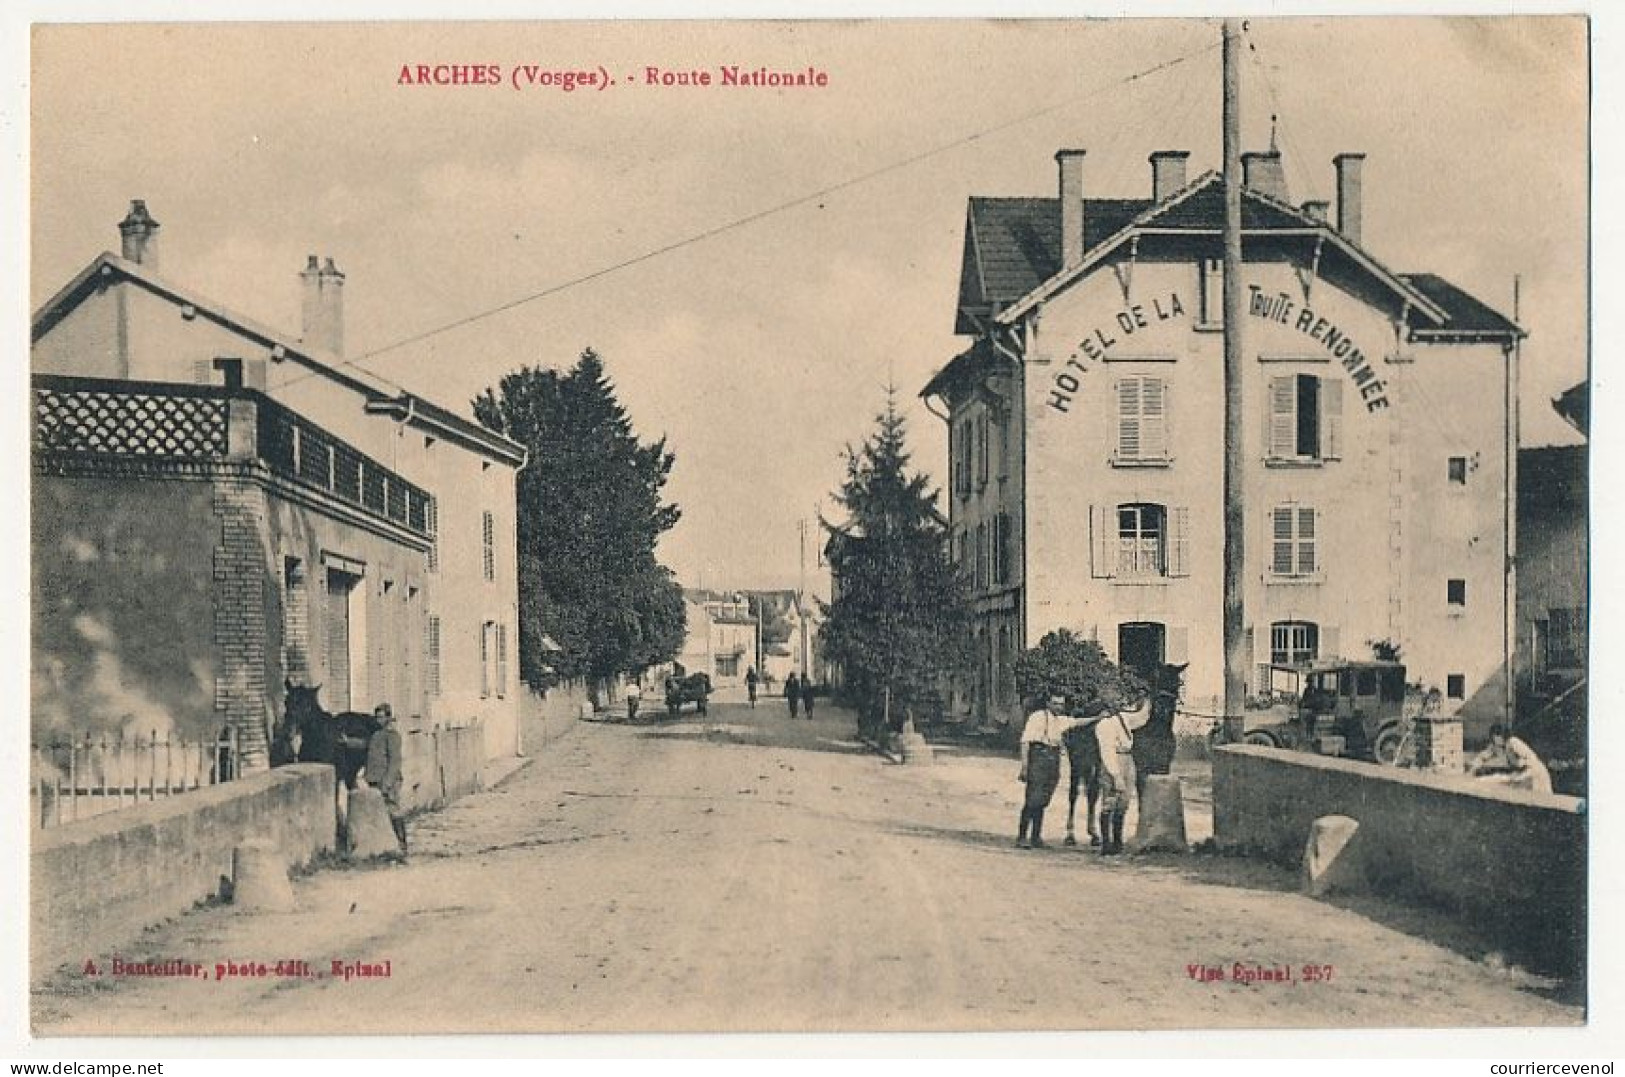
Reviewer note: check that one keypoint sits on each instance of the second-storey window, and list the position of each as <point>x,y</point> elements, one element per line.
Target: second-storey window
<point>1142,418</point>
<point>1305,420</point>
<point>1294,533</point>
<point>1138,540</point>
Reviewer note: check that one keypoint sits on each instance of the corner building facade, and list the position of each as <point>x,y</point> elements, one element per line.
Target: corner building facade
<point>1086,432</point>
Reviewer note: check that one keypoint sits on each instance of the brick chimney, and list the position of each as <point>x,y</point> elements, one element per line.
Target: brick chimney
<point>323,306</point>
<point>1071,193</point>
<point>140,234</point>
<point>1167,172</point>
<point>1348,167</point>
<point>1262,172</point>
<point>1320,211</point>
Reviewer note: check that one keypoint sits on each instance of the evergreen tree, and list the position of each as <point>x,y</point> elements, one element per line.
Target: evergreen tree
<point>898,623</point>
<point>590,516</point>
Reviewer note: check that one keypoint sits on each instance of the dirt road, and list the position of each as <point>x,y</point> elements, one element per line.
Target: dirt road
<point>744,872</point>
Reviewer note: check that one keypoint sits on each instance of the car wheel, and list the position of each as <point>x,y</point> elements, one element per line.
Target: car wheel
<point>1261,738</point>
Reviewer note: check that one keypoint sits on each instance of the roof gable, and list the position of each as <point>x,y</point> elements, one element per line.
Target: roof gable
<point>378,394</point>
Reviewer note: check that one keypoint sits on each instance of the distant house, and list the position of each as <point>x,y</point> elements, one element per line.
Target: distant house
<point>798,653</point>
<point>1553,558</point>
<point>722,638</point>
<point>220,508</point>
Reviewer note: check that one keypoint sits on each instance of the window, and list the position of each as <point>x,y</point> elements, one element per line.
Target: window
<point>1002,556</point>
<point>981,555</point>
<point>727,665</point>
<point>1142,419</point>
<point>488,537</point>
<point>1455,686</point>
<point>983,443</point>
<point>486,649</point>
<point>431,647</point>
<point>1305,420</point>
<point>431,521</point>
<point>1138,540</point>
<point>1294,643</point>
<point>1211,315</point>
<point>1458,471</point>
<point>962,458</point>
<point>1293,532</point>
<point>1456,593</point>
<point>502,660</point>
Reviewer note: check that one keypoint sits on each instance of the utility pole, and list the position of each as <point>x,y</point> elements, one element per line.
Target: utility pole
<point>801,606</point>
<point>1236,658</point>
<point>1509,577</point>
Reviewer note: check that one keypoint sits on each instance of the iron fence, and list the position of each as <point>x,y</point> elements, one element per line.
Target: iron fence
<point>89,776</point>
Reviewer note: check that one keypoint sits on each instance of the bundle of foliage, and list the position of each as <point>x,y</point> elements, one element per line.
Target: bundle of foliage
<point>898,624</point>
<point>590,516</point>
<point>1066,664</point>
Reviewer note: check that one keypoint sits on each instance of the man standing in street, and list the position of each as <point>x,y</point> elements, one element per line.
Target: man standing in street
<point>792,692</point>
<point>1041,767</point>
<point>750,685</point>
<point>807,696</point>
<point>384,768</point>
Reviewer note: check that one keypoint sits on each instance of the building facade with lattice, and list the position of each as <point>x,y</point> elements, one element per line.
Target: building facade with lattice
<point>220,508</point>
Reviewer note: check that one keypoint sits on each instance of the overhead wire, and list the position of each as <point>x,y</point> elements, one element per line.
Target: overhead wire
<point>357,362</point>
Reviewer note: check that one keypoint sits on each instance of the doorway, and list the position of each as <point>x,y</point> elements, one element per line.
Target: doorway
<point>1142,645</point>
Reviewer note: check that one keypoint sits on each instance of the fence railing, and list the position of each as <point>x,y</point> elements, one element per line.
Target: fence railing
<point>90,776</point>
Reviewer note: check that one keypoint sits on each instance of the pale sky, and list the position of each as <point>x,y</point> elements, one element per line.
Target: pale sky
<point>762,351</point>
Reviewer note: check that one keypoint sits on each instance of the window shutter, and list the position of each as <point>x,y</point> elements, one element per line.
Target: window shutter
<point>1331,418</point>
<point>1282,427</point>
<point>1179,525</point>
<point>502,659</point>
<point>1281,535</point>
<point>1307,535</point>
<point>431,678</point>
<point>1154,418</point>
<point>1103,540</point>
<point>1129,443</point>
<point>485,660</point>
<point>202,372</point>
<point>982,444</point>
<point>1328,642</point>
<point>1178,649</point>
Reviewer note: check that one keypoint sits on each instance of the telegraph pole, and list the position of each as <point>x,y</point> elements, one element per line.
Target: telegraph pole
<point>1236,658</point>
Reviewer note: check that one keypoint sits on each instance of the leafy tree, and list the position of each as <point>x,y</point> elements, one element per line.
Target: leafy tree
<point>775,626</point>
<point>899,618</point>
<point>1065,664</point>
<point>590,516</point>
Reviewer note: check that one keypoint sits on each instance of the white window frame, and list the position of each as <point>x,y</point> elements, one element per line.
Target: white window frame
<point>1298,541</point>
<point>1294,643</point>
<point>1281,445</point>
<point>488,545</point>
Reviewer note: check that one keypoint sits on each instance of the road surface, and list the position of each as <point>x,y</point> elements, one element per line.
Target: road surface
<point>743,872</point>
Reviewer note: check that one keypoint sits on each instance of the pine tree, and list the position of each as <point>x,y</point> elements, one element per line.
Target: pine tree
<point>897,625</point>
<point>590,516</point>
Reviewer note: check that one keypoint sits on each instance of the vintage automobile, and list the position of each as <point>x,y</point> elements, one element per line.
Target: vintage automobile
<point>1334,707</point>
<point>694,688</point>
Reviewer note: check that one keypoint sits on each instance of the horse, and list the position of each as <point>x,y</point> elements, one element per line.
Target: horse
<point>339,740</point>
<point>1154,741</point>
<point>1083,768</point>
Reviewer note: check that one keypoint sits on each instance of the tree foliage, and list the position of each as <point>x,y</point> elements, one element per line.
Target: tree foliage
<point>1065,664</point>
<point>899,617</point>
<point>590,516</point>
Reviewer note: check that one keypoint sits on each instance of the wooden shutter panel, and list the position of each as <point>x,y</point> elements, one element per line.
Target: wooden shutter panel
<point>1179,526</point>
<point>1281,427</point>
<point>502,659</point>
<point>1308,536</point>
<point>485,661</point>
<point>1281,559</point>
<point>982,445</point>
<point>1329,642</point>
<point>202,372</point>
<point>1179,646</point>
<point>1331,418</point>
<point>1154,418</point>
<point>1130,445</point>
<point>1103,541</point>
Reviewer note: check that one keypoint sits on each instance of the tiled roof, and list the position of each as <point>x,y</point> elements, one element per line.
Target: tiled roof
<point>1465,314</point>
<point>1552,478</point>
<point>965,368</point>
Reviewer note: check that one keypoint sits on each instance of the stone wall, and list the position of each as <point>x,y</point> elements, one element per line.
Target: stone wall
<point>1511,863</point>
<point>97,884</point>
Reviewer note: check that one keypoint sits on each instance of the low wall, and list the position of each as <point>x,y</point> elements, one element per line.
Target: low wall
<point>438,765</point>
<point>97,884</point>
<point>1511,862</point>
<point>548,717</point>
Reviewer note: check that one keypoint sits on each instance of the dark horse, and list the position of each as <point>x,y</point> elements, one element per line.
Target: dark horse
<point>1153,750</point>
<point>339,740</point>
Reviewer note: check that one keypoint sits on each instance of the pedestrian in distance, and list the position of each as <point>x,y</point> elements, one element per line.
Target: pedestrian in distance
<point>792,693</point>
<point>383,769</point>
<point>1041,767</point>
<point>750,685</point>
<point>634,696</point>
<point>807,697</point>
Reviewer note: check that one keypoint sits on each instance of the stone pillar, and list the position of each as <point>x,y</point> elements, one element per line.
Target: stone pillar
<point>1438,744</point>
<point>240,573</point>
